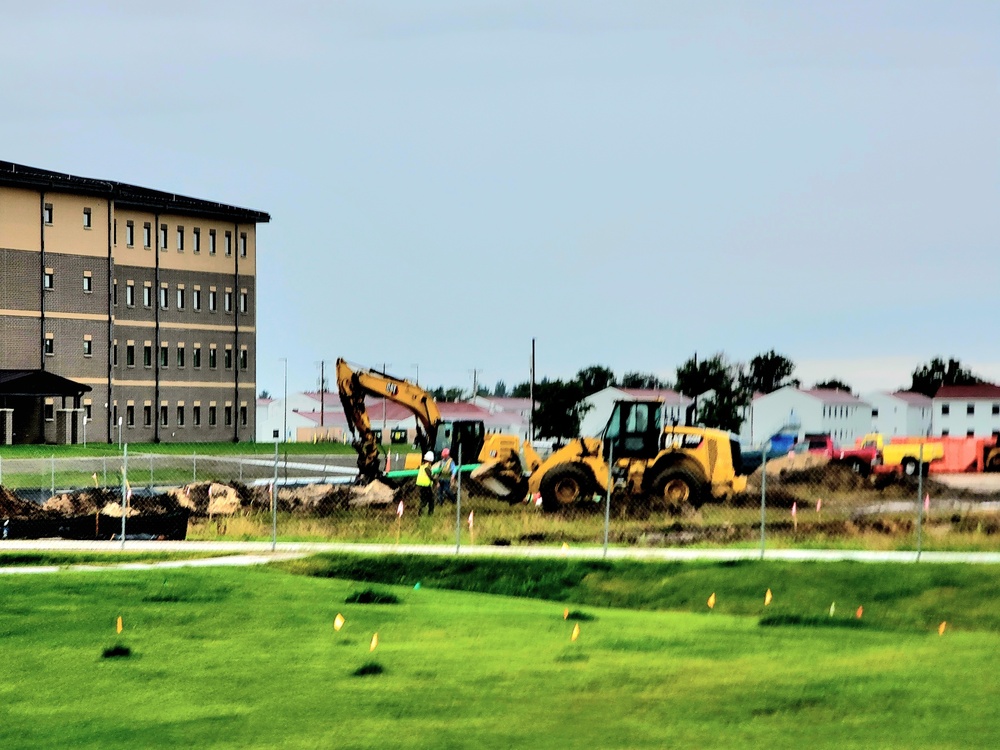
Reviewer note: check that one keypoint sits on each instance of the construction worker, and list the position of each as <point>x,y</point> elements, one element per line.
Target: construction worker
<point>425,484</point>
<point>445,471</point>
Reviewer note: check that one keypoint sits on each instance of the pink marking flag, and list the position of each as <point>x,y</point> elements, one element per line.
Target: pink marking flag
<point>399,510</point>
<point>927,503</point>
<point>819,504</point>
<point>470,520</point>
<point>795,509</point>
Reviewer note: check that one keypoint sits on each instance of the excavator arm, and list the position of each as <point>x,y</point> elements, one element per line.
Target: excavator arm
<point>356,383</point>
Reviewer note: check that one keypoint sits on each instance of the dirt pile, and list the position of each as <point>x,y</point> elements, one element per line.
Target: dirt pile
<point>217,498</point>
<point>11,506</point>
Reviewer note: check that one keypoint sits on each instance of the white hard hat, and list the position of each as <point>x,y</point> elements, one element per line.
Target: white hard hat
<point>429,456</point>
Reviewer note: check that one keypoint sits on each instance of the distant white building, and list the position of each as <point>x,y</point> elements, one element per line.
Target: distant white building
<point>900,413</point>
<point>274,413</point>
<point>839,414</point>
<point>602,403</point>
<point>967,410</point>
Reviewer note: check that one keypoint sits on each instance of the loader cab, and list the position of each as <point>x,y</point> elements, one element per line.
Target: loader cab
<point>467,434</point>
<point>633,430</point>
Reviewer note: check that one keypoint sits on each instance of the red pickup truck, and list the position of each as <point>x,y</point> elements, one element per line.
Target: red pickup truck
<point>859,460</point>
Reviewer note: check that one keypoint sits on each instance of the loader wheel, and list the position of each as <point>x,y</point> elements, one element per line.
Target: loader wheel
<point>675,488</point>
<point>562,486</point>
<point>910,467</point>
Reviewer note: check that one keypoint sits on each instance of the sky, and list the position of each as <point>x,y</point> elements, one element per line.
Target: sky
<point>625,183</point>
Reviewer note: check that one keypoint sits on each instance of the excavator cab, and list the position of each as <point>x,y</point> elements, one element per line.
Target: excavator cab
<point>633,430</point>
<point>463,437</point>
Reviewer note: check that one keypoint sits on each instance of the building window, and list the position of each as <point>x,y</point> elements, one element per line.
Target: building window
<point>180,416</point>
<point>47,214</point>
<point>50,345</point>
<point>244,301</point>
<point>130,355</point>
<point>212,300</point>
<point>147,295</point>
<point>243,415</point>
<point>196,240</point>
<point>147,235</point>
<point>196,416</point>
<point>180,298</point>
<point>211,242</point>
<point>213,359</point>
<point>180,355</point>
<point>945,410</point>
<point>944,433</point>
<point>88,412</point>
<point>229,300</point>
<point>180,239</point>
<point>164,416</point>
<point>164,355</point>
<point>244,359</point>
<point>228,359</point>
<point>49,279</point>
<point>88,348</point>
<point>147,415</point>
<point>996,409</point>
<point>88,282</point>
<point>196,299</point>
<point>243,244</point>
<point>211,416</point>
<point>114,292</point>
<point>50,410</point>
<point>163,236</point>
<point>130,233</point>
<point>970,433</point>
<point>229,415</point>
<point>114,354</point>
<point>86,218</point>
<point>130,293</point>
<point>229,244</point>
<point>970,409</point>
<point>147,355</point>
<point>164,291</point>
<point>196,357</point>
<point>130,415</point>
<point>114,228</point>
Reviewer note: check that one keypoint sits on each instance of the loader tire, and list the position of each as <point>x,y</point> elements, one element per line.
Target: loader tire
<point>675,488</point>
<point>910,467</point>
<point>564,485</point>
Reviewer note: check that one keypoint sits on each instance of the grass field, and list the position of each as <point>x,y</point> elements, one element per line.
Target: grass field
<point>224,658</point>
<point>175,449</point>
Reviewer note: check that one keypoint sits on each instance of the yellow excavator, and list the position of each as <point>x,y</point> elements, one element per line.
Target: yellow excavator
<point>464,438</point>
<point>652,465</point>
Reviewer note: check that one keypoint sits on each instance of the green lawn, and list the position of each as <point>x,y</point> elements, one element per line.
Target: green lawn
<point>247,658</point>
<point>182,449</point>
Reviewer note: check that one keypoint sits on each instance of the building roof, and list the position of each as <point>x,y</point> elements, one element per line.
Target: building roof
<point>912,398</point>
<point>123,194</point>
<point>507,403</point>
<point>38,383</point>
<point>832,396</point>
<point>654,394</point>
<point>982,390</point>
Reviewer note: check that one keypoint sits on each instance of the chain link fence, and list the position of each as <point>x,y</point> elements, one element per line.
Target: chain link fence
<point>800,500</point>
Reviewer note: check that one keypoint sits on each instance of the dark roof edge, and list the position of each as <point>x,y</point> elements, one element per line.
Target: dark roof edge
<point>124,194</point>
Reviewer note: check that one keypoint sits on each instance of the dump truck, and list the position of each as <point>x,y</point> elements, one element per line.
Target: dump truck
<point>660,467</point>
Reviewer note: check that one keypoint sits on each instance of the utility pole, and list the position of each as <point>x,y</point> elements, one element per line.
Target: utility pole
<point>531,393</point>
<point>322,392</point>
<point>475,383</point>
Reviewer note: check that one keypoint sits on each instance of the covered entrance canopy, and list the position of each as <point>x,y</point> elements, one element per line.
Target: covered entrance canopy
<point>24,416</point>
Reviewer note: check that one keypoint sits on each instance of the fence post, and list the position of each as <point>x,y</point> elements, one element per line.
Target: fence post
<point>105,471</point>
<point>241,468</point>
<point>274,502</point>
<point>458,504</point>
<point>763,499</point>
<point>607,504</point>
<point>920,499</point>
<point>53,475</point>
<point>194,468</point>
<point>150,472</point>
<point>1,470</point>
<point>124,490</point>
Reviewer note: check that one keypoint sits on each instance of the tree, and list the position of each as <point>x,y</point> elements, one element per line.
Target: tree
<point>931,376</point>
<point>446,394</point>
<point>723,409</point>
<point>500,389</point>
<point>264,394</point>
<point>595,378</point>
<point>766,373</point>
<point>560,408</point>
<point>644,380</point>
<point>834,385</point>
<point>521,390</point>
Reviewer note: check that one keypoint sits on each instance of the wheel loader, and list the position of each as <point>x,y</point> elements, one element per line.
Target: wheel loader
<point>652,465</point>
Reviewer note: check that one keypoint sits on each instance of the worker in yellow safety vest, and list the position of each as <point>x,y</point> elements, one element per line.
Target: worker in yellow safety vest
<point>425,484</point>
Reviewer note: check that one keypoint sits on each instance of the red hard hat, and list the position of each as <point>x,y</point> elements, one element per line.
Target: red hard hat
<point>445,453</point>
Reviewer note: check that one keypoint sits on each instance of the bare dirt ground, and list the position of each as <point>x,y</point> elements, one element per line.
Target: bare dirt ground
<point>984,483</point>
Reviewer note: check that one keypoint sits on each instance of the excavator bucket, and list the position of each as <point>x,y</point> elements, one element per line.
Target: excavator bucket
<point>503,477</point>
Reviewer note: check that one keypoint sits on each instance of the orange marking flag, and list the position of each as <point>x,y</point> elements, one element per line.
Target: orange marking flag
<point>338,621</point>
<point>566,613</point>
<point>767,597</point>
<point>118,625</point>
<point>941,627</point>
<point>576,632</point>
<point>711,601</point>
<point>861,611</point>
<point>374,643</point>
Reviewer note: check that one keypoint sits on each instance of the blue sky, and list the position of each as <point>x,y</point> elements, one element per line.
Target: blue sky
<point>626,182</point>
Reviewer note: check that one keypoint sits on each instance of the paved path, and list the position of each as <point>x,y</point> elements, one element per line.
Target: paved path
<point>260,553</point>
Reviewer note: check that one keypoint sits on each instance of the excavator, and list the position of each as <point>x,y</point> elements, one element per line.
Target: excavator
<point>463,437</point>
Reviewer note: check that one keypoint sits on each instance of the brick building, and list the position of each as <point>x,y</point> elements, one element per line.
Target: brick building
<point>142,302</point>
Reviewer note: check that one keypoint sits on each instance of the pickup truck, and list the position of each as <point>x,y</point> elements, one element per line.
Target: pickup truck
<point>860,460</point>
<point>903,455</point>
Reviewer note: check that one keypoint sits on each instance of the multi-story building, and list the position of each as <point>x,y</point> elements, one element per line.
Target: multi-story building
<point>141,301</point>
<point>967,410</point>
